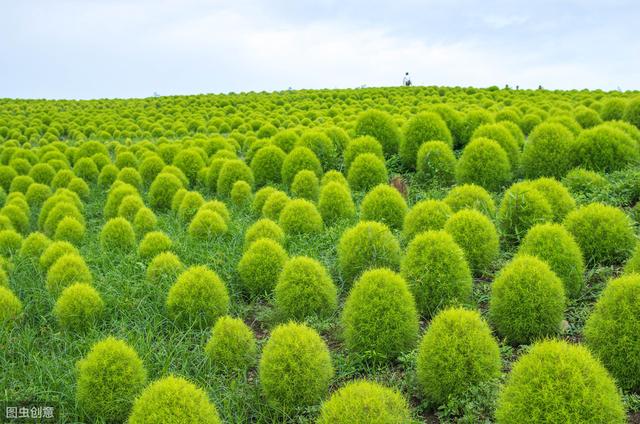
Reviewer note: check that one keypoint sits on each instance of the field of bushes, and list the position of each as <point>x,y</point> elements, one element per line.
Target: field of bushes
<point>384,255</point>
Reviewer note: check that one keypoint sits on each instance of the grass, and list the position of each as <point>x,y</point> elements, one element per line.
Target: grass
<point>38,358</point>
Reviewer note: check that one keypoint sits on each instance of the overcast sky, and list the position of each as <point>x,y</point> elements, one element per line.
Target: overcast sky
<point>117,48</point>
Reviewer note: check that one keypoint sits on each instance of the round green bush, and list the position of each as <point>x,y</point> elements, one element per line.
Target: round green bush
<point>260,197</point>
<point>162,189</point>
<point>359,146</point>
<point>42,173</point>
<point>34,245</point>
<point>605,149</point>
<point>320,144</point>
<point>78,307</point>
<point>335,203</point>
<point>557,195</point>
<point>305,185</point>
<point>274,205</point>
<point>17,218</point>
<point>437,272</point>
<point>207,225</point>
<point>260,266</point>
<point>556,246</point>
<point>436,163</point>
<point>241,194</point>
<point>295,368</point>
<point>379,125</point>
<point>198,297</point>
<point>130,206</point>
<point>10,242</point>
<point>527,300</point>
<point>232,171</point>
<point>367,171</point>
<point>477,236</point>
<point>604,233</point>
<point>612,331</point>
<point>117,235</point>
<point>457,353</point>
<point>108,380</point>
<point>218,207</point>
<point>20,184</point>
<point>425,215</point>
<point>305,289</point>
<point>367,245</point>
<point>144,221</point>
<point>116,196</point>
<point>7,174</point>
<point>470,196</point>
<point>67,269</point>
<point>504,138</point>
<point>86,169</point>
<point>613,109</point>
<point>285,140</point>
<point>521,208</point>
<point>70,229</point>
<point>263,228</point>
<point>232,346</point>
<point>54,251</point>
<point>150,168</point>
<point>189,161</point>
<point>173,400</point>
<point>558,382</point>
<point>189,205</point>
<point>426,126</point>
<point>586,117</point>
<point>484,163</point>
<point>548,151</point>
<point>59,212</point>
<point>80,187</point>
<point>153,243</point>
<point>266,165</point>
<point>130,176</point>
<point>300,216</point>
<point>164,267</point>
<point>298,159</point>
<point>333,176</point>
<point>362,401</point>
<point>384,204</point>
<point>36,194</point>
<point>584,182</point>
<point>632,112</point>
<point>213,172</point>
<point>379,318</point>
<point>107,176</point>
<point>10,308</point>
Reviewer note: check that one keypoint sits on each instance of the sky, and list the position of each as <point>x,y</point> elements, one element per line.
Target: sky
<point>83,49</point>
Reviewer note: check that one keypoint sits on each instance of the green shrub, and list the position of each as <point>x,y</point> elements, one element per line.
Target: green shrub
<point>274,205</point>
<point>379,316</point>
<point>584,182</point>
<point>380,126</point>
<point>470,196</point>
<point>632,112</point>
<point>604,233</point>
<point>78,307</point>
<point>548,151</point>
<point>298,159</point>
<point>586,117</point>
<point>260,198</point>
<point>232,346</point>
<point>198,297</point>
<point>173,400</point>
<point>612,331</point>
<point>241,194</point>
<point>260,266</point>
<point>162,189</point>
<point>367,245</point>
<point>42,173</point>
<point>59,212</point>
<point>130,206</point>
<point>484,163</point>
<point>150,168</point>
<point>67,269</point>
<point>263,228</point>
<point>605,148</point>
<point>320,144</point>
<point>213,173</point>
<point>80,187</point>
<point>335,203</point>
<point>437,272</point>
<point>10,242</point>
<point>7,174</point>
<point>266,165</point>
<point>130,176</point>
<point>164,267</point>
<point>144,221</point>
<point>359,146</point>
<point>557,195</point>
<point>54,251</point>
<point>457,352</point>
<point>305,289</point>
<point>426,126</point>
<point>333,176</point>
<point>117,235</point>
<point>86,169</point>
<point>108,380</point>
<point>34,245</point>
<point>384,204</point>
<point>295,368</point>
<point>107,177</point>
<point>556,246</point>
<point>36,194</point>
<point>219,207</point>
<point>190,162</point>
<point>10,308</point>
<point>504,138</point>
<point>367,171</point>
<point>206,225</point>
<point>116,196</point>
<point>558,382</point>
<point>285,140</point>
<point>20,184</point>
<point>521,208</point>
<point>305,185</point>
<point>70,229</point>
<point>189,205</point>
<point>527,300</point>
<point>300,216</point>
<point>153,243</point>
<point>436,163</point>
<point>362,401</point>
<point>425,215</point>
<point>232,171</point>
<point>477,236</point>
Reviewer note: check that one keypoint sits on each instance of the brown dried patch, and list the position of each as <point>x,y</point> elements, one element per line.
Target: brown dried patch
<point>401,185</point>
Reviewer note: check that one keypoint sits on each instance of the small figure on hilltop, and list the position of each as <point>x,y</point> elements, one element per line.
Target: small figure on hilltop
<point>406,81</point>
